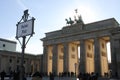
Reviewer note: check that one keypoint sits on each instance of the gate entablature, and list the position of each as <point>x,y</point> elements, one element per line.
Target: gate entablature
<point>100,28</point>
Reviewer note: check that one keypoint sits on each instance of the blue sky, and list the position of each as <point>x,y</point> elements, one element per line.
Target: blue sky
<point>50,16</point>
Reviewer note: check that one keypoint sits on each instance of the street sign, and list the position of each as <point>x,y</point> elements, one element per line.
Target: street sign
<point>25,28</point>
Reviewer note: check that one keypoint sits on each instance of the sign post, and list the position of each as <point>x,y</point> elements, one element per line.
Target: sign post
<point>25,28</point>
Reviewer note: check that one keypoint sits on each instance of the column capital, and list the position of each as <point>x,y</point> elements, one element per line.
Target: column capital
<point>66,43</point>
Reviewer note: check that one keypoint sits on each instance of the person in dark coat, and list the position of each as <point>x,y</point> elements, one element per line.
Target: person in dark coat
<point>3,75</point>
<point>16,75</point>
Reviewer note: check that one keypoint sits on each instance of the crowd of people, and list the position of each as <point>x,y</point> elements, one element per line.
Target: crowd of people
<point>12,76</point>
<point>81,76</point>
<point>87,76</point>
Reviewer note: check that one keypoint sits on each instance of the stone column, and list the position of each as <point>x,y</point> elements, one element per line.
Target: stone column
<point>118,59</point>
<point>66,57</point>
<point>15,63</point>
<point>29,65</point>
<point>45,60</point>
<point>8,64</point>
<point>55,60</point>
<point>97,61</point>
<point>82,57</point>
<point>114,45</point>
<point>0,63</point>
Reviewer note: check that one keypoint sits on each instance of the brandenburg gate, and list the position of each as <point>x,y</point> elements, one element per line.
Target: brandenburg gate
<point>81,48</point>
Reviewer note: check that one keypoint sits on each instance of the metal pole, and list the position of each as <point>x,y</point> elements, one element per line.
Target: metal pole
<point>75,71</point>
<point>22,69</point>
<point>75,68</point>
<point>22,59</point>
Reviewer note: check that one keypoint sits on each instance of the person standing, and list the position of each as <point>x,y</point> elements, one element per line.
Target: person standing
<point>3,75</point>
